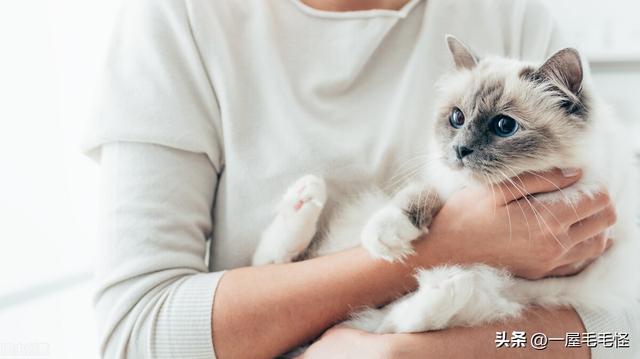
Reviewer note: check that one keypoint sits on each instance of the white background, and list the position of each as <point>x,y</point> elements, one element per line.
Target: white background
<point>49,55</point>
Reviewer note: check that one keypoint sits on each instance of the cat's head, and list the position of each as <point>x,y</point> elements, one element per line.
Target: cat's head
<point>500,117</point>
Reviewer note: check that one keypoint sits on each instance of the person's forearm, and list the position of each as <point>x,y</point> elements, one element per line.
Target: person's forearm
<point>480,342</point>
<point>264,311</point>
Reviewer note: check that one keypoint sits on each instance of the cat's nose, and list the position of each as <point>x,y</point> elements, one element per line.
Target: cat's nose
<point>462,151</point>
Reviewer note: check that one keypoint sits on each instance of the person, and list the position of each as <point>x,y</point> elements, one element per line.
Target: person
<point>209,109</point>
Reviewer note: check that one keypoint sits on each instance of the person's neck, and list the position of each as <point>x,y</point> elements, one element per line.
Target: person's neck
<point>355,5</point>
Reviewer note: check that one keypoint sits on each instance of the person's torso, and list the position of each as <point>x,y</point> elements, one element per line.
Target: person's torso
<point>345,96</point>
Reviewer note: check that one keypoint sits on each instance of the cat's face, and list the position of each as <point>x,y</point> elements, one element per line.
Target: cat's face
<point>500,117</point>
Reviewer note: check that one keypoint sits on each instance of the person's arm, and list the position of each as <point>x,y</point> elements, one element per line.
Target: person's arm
<point>154,292</point>
<point>265,311</point>
<point>156,130</point>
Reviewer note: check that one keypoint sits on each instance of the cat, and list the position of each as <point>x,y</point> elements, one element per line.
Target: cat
<point>496,118</point>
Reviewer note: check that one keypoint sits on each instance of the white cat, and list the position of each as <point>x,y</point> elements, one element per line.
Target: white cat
<point>497,118</point>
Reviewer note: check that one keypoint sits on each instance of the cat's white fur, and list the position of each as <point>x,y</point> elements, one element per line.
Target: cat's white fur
<point>472,295</point>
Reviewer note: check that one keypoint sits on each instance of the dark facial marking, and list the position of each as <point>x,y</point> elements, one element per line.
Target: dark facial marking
<point>423,208</point>
<point>526,72</point>
<point>563,75</point>
<point>488,95</point>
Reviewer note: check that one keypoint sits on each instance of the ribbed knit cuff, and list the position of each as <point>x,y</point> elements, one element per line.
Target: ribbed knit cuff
<point>183,328</point>
<point>611,321</point>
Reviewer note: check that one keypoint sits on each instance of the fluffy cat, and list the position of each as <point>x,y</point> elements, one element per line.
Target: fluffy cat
<point>497,118</point>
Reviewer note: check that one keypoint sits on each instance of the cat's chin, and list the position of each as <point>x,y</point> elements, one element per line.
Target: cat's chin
<point>465,175</point>
<point>463,172</point>
<point>482,179</point>
<point>470,176</point>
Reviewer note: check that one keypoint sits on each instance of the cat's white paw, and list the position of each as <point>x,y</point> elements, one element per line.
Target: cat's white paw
<point>440,297</point>
<point>389,233</point>
<point>453,296</point>
<point>294,227</point>
<point>454,284</point>
<point>307,191</point>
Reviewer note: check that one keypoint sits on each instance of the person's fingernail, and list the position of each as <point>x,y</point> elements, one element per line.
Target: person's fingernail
<point>570,172</point>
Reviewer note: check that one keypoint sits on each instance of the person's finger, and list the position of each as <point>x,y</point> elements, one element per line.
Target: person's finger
<point>569,269</point>
<point>592,225</point>
<point>586,206</point>
<point>576,267</point>
<point>563,214</point>
<point>586,249</point>
<point>531,183</point>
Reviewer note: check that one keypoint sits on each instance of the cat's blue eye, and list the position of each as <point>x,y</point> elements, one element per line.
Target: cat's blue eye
<point>456,118</point>
<point>504,126</point>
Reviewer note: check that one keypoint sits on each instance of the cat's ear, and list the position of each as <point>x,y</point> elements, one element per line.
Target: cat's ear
<point>565,68</point>
<point>462,55</point>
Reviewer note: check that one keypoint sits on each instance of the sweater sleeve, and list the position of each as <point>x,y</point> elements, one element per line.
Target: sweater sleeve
<point>623,321</point>
<point>540,38</point>
<point>156,132</point>
<point>155,294</point>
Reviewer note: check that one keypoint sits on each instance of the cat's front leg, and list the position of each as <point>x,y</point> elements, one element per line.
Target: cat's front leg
<point>389,232</point>
<point>290,233</point>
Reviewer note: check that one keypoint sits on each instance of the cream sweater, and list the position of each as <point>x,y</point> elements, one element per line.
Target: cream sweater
<point>208,109</point>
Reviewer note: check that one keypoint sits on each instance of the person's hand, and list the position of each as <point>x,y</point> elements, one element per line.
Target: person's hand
<point>344,343</point>
<point>502,227</point>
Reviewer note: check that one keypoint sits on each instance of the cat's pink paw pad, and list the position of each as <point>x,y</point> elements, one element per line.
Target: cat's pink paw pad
<point>308,190</point>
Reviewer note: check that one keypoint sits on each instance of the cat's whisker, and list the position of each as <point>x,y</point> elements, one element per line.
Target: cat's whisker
<point>493,192</point>
<point>521,209</point>
<point>525,195</point>
<point>410,161</point>
<point>420,207</point>
<point>410,165</point>
<point>534,209</point>
<point>395,186</point>
<point>568,200</point>
<point>545,207</point>
<point>399,178</point>
<point>508,215</point>
<point>421,157</point>
<point>536,214</point>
